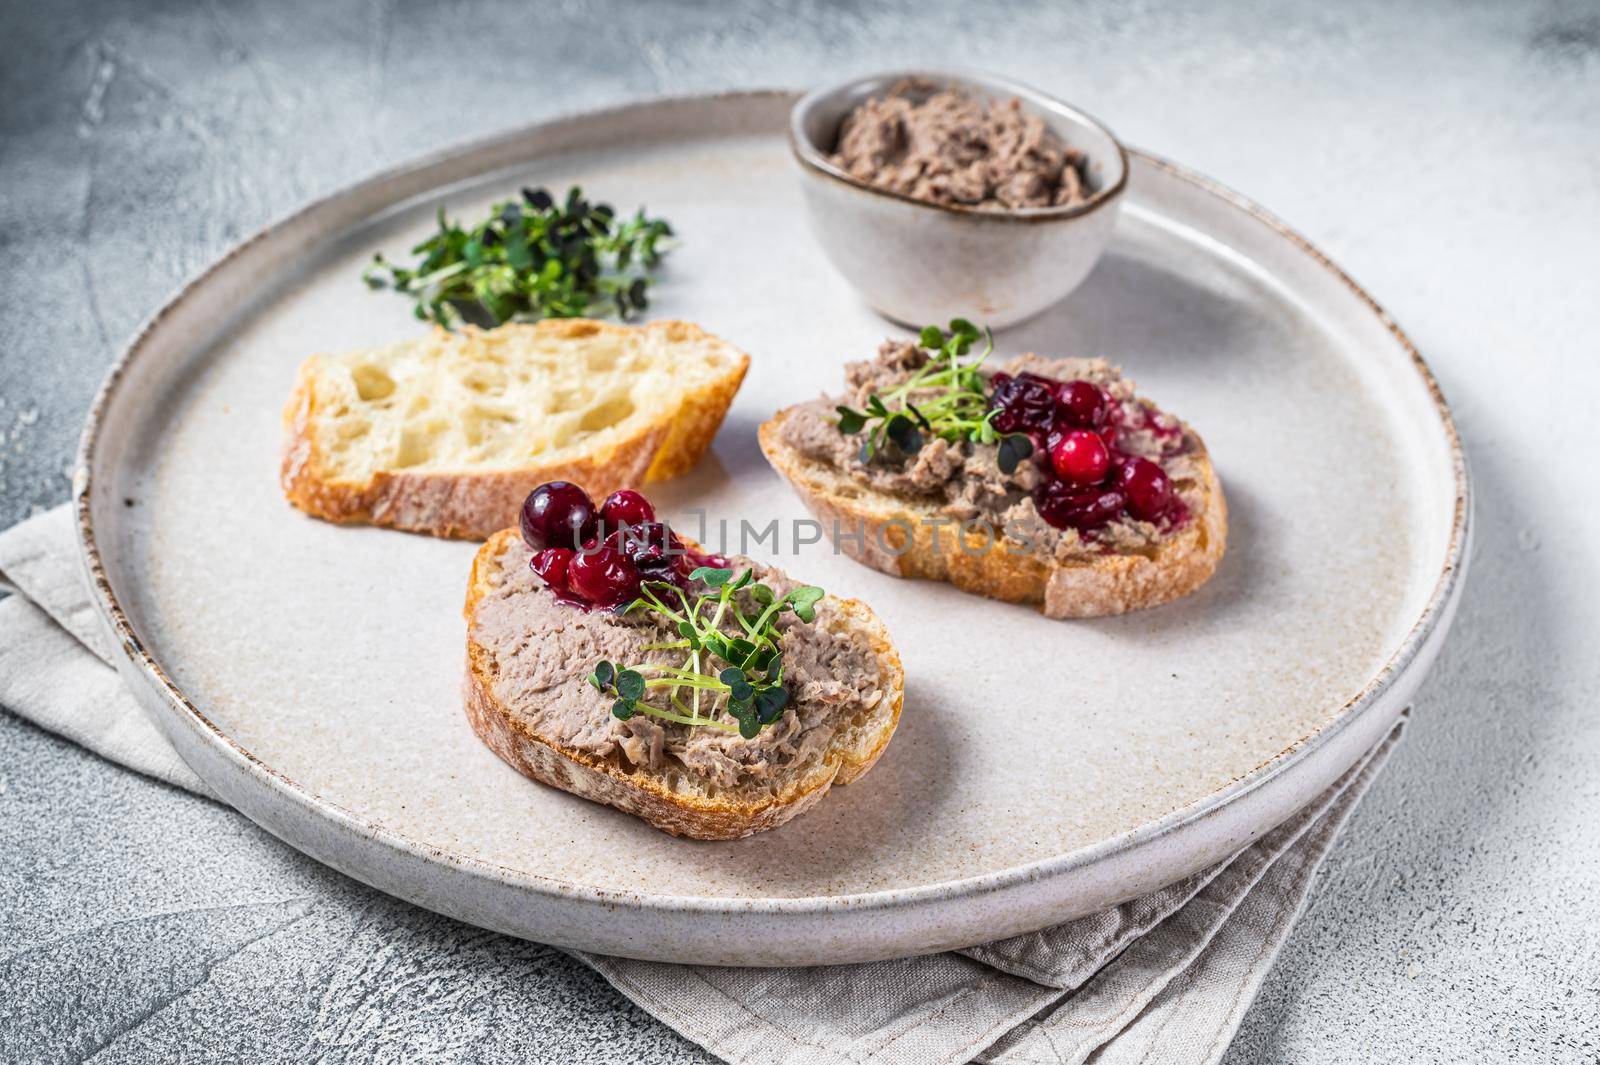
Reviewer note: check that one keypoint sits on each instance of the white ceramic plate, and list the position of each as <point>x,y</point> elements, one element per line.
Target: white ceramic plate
<point>1042,768</point>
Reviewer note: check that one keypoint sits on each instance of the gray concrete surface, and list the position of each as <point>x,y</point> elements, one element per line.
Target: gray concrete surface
<point>1446,154</point>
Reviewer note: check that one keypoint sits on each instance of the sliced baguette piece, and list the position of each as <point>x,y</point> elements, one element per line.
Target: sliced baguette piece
<point>676,803</point>
<point>900,540</point>
<point>448,434</point>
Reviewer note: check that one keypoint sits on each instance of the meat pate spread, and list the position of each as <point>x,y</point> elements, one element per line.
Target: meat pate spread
<point>964,479</point>
<point>946,147</point>
<point>544,649</point>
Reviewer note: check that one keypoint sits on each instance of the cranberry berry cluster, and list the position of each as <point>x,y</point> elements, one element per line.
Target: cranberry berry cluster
<point>1074,427</point>
<point>600,556</point>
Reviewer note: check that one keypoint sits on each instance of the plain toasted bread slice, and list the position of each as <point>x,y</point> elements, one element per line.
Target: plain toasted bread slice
<point>448,434</point>
<point>903,539</point>
<point>677,802</point>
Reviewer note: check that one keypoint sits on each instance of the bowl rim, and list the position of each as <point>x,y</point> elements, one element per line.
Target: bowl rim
<point>811,157</point>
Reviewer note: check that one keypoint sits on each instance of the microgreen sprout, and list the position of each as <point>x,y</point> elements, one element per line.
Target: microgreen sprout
<point>953,403</point>
<point>732,664</point>
<point>531,258</point>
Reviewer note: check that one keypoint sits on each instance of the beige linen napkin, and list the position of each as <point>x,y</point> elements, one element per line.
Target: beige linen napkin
<point>1166,977</point>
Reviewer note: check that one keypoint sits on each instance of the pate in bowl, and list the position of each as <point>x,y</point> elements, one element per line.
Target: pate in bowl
<point>941,195</point>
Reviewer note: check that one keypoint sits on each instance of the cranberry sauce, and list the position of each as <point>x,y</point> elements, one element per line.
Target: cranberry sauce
<point>615,549</point>
<point>1076,427</point>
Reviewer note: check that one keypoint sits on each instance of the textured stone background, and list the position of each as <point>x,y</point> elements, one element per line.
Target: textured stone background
<point>1447,155</point>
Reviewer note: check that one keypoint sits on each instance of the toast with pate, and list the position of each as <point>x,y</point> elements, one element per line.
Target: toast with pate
<point>447,434</point>
<point>1051,482</point>
<point>712,697</point>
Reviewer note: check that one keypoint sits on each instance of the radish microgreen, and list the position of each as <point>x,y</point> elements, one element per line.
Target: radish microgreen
<point>732,664</point>
<point>960,412</point>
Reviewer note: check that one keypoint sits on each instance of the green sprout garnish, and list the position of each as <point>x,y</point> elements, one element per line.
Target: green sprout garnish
<point>532,258</point>
<point>732,665</point>
<point>960,412</point>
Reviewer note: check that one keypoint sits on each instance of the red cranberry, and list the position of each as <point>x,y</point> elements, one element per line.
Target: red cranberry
<point>651,546</point>
<point>1083,403</point>
<point>603,577</point>
<point>1068,507</point>
<point>557,514</point>
<point>551,567</point>
<point>1025,402</point>
<point>1081,458</point>
<point>1148,488</point>
<point>626,507</point>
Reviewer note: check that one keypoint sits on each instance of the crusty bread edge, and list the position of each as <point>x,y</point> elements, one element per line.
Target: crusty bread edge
<point>900,541</point>
<point>473,504</point>
<point>605,781</point>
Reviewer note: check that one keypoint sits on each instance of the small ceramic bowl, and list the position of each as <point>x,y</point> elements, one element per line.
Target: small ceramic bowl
<point>921,263</point>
